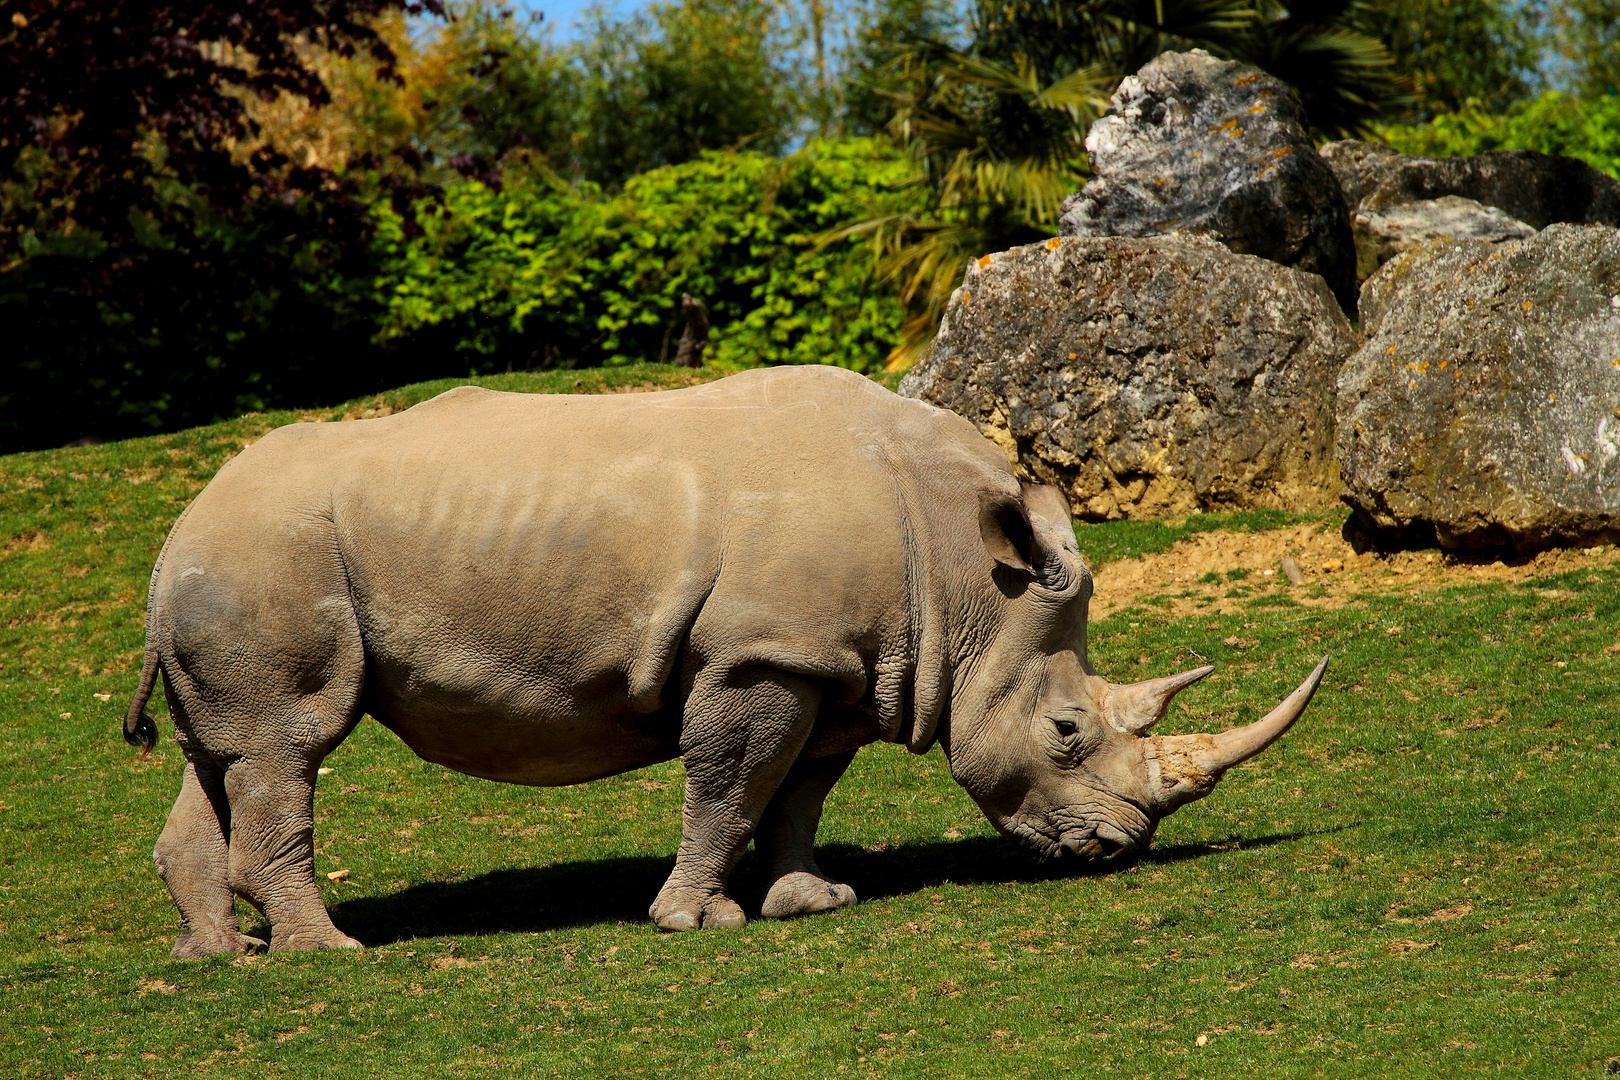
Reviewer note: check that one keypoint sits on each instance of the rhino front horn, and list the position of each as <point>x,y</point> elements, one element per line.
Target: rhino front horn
<point>1135,708</point>
<point>1184,768</point>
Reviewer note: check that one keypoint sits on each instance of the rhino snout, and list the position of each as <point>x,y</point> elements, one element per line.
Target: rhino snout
<point>1079,839</point>
<point>1100,840</point>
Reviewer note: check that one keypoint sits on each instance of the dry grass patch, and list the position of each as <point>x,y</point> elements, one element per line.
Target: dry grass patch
<point>1222,571</point>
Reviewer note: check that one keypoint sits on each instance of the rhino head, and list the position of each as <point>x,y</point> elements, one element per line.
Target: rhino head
<point>1057,756</point>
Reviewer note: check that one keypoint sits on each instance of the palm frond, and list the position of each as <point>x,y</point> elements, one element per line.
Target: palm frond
<point>1345,78</point>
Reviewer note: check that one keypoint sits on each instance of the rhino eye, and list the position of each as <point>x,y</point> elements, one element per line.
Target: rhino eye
<point>1065,727</point>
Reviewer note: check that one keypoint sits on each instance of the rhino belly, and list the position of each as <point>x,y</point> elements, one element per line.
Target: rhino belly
<point>513,730</point>
<point>521,619</point>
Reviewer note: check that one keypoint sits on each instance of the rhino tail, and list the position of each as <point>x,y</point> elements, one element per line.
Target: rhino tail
<point>139,729</point>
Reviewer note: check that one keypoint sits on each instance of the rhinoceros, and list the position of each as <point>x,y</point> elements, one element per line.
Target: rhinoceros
<point>759,576</point>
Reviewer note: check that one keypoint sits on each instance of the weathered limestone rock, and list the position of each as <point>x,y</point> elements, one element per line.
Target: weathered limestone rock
<point>1485,402</point>
<point>1360,167</point>
<point>1199,145</point>
<point>1383,234</point>
<point>1539,189</point>
<point>1146,377</point>
<point>1386,192</point>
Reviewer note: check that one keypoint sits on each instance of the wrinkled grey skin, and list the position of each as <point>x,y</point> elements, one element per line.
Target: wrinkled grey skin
<point>758,576</point>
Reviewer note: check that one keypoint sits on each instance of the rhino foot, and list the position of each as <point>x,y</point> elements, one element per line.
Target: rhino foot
<point>196,944</point>
<point>800,893</point>
<point>694,912</point>
<point>310,941</point>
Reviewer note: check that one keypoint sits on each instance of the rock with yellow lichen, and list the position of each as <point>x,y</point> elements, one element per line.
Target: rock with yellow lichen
<point>1193,144</point>
<point>1146,377</point>
<point>1483,408</point>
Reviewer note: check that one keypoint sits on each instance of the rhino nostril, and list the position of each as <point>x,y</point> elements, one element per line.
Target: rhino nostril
<point>1113,841</point>
<point>1081,846</point>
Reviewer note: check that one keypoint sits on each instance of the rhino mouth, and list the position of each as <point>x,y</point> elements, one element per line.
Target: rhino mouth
<point>1085,841</point>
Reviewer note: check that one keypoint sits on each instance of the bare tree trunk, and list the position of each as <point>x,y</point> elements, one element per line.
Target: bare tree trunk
<point>690,351</point>
<point>818,19</point>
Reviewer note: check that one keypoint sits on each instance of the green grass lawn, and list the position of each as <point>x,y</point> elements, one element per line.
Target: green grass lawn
<point>1419,881</point>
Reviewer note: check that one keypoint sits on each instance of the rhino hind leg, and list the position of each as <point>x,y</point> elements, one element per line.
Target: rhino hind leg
<point>264,669</point>
<point>740,735</point>
<point>272,852</point>
<point>786,840</point>
<point>193,859</point>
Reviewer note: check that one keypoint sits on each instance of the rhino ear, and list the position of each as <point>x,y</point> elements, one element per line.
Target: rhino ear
<point>1006,531</point>
<point>1031,533</point>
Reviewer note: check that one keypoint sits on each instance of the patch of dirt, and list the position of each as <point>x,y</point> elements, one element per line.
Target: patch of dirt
<point>27,540</point>
<point>1249,564</point>
<point>1404,947</point>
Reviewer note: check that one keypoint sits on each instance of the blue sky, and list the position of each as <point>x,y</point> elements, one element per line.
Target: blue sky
<point>563,15</point>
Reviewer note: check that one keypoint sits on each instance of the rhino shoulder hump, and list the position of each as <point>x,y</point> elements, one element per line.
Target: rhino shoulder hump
<point>459,395</point>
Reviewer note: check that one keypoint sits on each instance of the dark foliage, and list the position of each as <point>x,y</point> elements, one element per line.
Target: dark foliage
<point>155,263</point>
<point>681,78</point>
<point>1454,52</point>
<point>210,323</point>
<point>871,77</point>
<point>120,93</point>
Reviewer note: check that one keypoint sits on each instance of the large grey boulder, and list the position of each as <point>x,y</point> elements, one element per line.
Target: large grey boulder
<point>1194,144</point>
<point>1485,402</point>
<point>1383,234</point>
<point>1539,189</point>
<point>1360,167</point>
<point>1392,197</point>
<point>1146,377</point>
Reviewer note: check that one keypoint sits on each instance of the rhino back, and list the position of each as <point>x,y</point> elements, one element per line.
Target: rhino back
<point>527,570</point>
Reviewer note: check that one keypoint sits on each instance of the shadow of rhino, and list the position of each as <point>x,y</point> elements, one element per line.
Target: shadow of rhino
<point>589,893</point>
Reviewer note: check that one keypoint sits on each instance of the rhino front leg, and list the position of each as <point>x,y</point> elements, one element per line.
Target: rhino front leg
<point>786,839</point>
<point>194,861</point>
<point>740,735</point>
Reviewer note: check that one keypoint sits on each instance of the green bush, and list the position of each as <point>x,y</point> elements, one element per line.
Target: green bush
<point>190,322</point>
<point>214,318</point>
<point>1554,123</point>
<point>540,274</point>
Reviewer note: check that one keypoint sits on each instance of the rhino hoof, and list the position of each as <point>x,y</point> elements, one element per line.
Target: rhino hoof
<point>676,921</point>
<point>195,945</point>
<point>718,912</point>
<point>805,894</point>
<point>312,943</point>
<point>724,913</point>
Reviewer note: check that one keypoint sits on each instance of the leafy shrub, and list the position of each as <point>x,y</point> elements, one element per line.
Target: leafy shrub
<point>221,317</point>
<point>1554,123</point>
<point>186,324</point>
<point>540,274</point>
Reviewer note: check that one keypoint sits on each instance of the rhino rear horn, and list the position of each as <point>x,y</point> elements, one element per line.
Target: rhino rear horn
<point>1184,768</point>
<point>1135,708</point>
